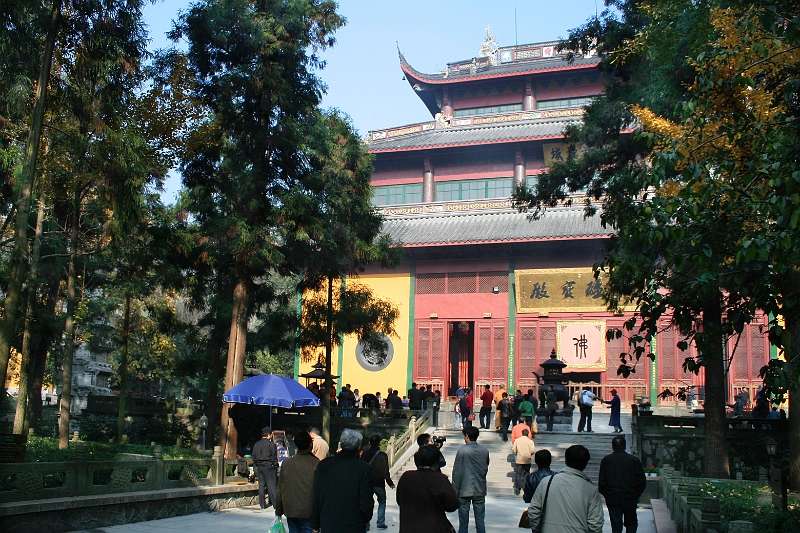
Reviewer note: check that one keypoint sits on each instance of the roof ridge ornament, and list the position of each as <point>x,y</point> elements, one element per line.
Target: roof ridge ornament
<point>489,47</point>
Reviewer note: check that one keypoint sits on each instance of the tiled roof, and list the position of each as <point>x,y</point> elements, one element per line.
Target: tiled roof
<point>559,223</point>
<point>489,72</point>
<point>471,136</point>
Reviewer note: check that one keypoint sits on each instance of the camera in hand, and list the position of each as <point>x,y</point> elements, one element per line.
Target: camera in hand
<point>439,441</point>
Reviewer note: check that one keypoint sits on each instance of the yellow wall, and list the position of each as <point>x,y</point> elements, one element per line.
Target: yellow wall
<point>396,288</point>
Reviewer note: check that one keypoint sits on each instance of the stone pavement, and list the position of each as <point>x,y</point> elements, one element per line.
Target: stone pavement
<point>502,515</point>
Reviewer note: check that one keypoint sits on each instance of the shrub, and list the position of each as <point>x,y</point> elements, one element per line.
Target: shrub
<point>98,428</point>
<point>159,430</point>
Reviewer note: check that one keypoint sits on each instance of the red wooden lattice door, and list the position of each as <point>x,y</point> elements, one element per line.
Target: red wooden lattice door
<point>429,364</point>
<point>491,353</point>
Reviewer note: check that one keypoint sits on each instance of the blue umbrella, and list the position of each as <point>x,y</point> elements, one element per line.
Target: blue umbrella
<point>271,389</point>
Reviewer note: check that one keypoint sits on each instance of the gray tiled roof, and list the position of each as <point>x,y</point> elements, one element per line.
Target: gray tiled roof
<point>474,135</point>
<point>524,67</point>
<point>559,223</point>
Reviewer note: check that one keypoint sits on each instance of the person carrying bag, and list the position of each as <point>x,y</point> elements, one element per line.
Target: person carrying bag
<point>525,521</point>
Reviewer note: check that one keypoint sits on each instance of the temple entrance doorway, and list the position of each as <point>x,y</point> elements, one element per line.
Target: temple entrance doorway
<point>462,355</point>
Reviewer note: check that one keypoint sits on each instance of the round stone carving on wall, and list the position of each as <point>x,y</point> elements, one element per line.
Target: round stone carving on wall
<point>372,360</point>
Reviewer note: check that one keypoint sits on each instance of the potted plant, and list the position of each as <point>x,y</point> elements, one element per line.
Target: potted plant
<point>651,471</point>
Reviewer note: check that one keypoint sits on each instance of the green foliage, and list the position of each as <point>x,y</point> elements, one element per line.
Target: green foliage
<point>98,428</point>
<point>159,430</point>
<point>738,502</point>
<point>45,450</point>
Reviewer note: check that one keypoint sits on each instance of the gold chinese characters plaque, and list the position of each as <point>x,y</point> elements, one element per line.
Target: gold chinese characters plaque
<point>550,290</point>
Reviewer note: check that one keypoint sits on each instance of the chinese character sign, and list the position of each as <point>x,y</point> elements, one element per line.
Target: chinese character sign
<point>559,152</point>
<point>582,345</point>
<point>559,290</point>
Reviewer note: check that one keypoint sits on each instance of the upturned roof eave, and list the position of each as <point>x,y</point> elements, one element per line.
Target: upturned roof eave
<point>415,76</point>
<point>507,241</point>
<point>458,145</point>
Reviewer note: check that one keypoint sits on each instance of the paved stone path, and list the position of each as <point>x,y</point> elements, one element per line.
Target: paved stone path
<point>502,515</point>
<point>503,509</point>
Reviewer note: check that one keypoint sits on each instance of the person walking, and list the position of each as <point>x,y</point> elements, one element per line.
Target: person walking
<point>414,398</point>
<point>296,486</point>
<point>543,459</point>
<point>265,459</point>
<point>469,481</point>
<point>585,403</point>
<point>424,495</point>
<point>614,419</point>
<point>516,431</point>
<point>573,503</point>
<point>504,409</point>
<point>515,414</point>
<point>486,407</point>
<point>380,476</point>
<point>621,481</point>
<point>342,500</point>
<point>318,446</point>
<point>465,406</point>
<point>498,397</point>
<point>526,410</point>
<point>550,407</point>
<point>523,449</point>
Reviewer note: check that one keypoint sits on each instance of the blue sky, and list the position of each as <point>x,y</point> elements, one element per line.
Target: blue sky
<point>363,71</point>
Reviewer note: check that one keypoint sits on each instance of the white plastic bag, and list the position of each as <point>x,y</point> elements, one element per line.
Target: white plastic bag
<point>277,526</point>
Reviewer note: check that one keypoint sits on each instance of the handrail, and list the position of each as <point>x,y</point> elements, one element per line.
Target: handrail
<point>416,427</point>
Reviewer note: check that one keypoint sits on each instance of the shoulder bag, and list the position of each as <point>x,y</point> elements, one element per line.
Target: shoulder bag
<point>524,520</point>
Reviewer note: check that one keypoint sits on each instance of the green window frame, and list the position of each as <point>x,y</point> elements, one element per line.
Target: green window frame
<point>564,103</point>
<point>397,194</point>
<point>481,189</point>
<point>490,110</point>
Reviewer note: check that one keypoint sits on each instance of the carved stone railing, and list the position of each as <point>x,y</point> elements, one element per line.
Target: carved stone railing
<point>416,427</point>
<point>80,477</point>
<point>690,510</point>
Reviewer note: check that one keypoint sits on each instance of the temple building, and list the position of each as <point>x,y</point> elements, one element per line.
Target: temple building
<point>486,294</point>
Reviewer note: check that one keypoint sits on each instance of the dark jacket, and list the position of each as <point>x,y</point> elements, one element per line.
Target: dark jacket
<point>265,454</point>
<point>532,481</point>
<point>343,499</point>
<point>621,478</point>
<point>414,398</point>
<point>394,402</point>
<point>380,467</point>
<point>296,485</point>
<point>505,408</point>
<point>423,497</point>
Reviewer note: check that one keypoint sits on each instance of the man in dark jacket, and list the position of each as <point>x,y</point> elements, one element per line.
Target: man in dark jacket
<point>343,490</point>
<point>543,458</point>
<point>505,409</point>
<point>414,397</point>
<point>393,401</point>
<point>380,476</point>
<point>265,459</point>
<point>296,486</point>
<point>621,482</point>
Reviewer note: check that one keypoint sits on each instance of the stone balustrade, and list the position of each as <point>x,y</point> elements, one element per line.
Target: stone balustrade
<point>80,477</point>
<point>689,509</point>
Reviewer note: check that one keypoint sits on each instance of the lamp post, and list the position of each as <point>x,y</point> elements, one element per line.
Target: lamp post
<point>772,449</point>
<point>203,426</point>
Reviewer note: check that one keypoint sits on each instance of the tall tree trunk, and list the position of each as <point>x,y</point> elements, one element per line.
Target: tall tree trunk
<point>18,263</point>
<point>716,424</point>
<point>237,343</point>
<point>46,332</point>
<point>69,328</point>
<point>123,370</point>
<point>26,367</point>
<point>220,328</point>
<point>325,400</point>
